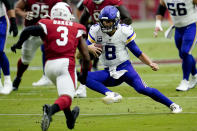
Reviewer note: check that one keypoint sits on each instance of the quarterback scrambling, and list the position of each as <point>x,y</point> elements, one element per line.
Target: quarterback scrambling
<point>116,38</point>
<point>92,10</point>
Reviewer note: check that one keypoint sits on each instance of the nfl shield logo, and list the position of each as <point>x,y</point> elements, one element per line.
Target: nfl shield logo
<point>99,38</point>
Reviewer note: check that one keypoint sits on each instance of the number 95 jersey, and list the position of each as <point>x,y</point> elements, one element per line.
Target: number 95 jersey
<point>114,47</point>
<point>40,9</point>
<point>94,9</point>
<point>183,12</point>
<point>61,39</point>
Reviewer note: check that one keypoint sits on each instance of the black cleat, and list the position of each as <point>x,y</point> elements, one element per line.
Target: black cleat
<point>16,83</point>
<point>71,121</point>
<point>46,118</point>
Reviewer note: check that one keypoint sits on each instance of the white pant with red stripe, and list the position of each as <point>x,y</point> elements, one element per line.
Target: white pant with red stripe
<point>63,76</point>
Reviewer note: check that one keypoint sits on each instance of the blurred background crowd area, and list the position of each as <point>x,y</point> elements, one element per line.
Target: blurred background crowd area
<point>139,10</point>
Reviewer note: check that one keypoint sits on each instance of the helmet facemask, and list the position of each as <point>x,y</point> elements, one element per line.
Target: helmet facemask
<point>105,28</point>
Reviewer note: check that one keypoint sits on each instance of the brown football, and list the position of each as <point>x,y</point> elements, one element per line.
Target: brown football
<point>98,45</point>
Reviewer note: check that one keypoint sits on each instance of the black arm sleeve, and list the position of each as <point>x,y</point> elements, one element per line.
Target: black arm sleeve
<point>161,10</point>
<point>84,17</point>
<point>35,30</point>
<point>9,4</point>
<point>80,6</point>
<point>124,15</point>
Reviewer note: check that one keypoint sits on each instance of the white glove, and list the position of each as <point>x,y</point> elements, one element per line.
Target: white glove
<point>169,31</point>
<point>29,15</point>
<point>158,27</point>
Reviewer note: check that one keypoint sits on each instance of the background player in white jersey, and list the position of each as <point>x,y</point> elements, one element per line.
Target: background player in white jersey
<point>184,17</point>
<point>4,62</point>
<point>115,38</point>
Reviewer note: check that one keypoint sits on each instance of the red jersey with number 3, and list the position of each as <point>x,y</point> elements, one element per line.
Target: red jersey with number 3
<point>94,9</point>
<point>61,38</point>
<point>40,8</point>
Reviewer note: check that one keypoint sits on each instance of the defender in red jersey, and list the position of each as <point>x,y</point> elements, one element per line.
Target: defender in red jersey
<point>93,8</point>
<point>32,11</point>
<point>38,9</point>
<point>61,37</point>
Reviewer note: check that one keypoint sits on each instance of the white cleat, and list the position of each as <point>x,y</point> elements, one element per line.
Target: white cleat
<point>1,86</point>
<point>7,86</point>
<point>184,86</point>
<point>44,81</point>
<point>112,97</point>
<point>193,81</point>
<point>175,108</point>
<point>81,91</point>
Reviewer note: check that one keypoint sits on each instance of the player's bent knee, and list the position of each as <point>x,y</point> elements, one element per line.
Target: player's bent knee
<point>26,59</point>
<point>2,53</point>
<point>184,54</point>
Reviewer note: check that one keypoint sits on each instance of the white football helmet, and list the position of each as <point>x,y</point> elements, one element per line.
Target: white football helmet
<point>61,10</point>
<point>97,1</point>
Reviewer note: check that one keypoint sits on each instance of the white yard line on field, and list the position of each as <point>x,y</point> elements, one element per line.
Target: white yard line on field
<point>89,98</point>
<point>38,68</point>
<point>104,114</point>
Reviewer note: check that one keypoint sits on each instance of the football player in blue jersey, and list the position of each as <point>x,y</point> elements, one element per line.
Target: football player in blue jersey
<point>4,62</point>
<point>115,38</point>
<point>184,17</point>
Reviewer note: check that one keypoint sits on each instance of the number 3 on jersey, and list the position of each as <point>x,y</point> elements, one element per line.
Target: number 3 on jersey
<point>64,35</point>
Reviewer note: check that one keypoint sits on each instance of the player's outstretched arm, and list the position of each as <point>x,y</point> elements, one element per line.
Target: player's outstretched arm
<point>20,10</point>
<point>11,13</point>
<point>124,14</point>
<point>159,17</point>
<point>195,1</point>
<point>35,30</point>
<point>84,17</point>
<point>146,60</point>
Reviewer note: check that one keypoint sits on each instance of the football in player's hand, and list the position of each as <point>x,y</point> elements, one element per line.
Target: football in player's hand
<point>99,46</point>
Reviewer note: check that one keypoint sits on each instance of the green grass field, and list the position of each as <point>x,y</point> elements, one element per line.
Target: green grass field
<point>22,110</point>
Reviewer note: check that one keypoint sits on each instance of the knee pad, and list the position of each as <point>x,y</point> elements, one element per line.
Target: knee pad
<point>26,59</point>
<point>27,55</point>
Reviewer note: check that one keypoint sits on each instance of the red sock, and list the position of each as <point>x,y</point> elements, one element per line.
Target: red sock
<point>64,102</point>
<point>21,68</point>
